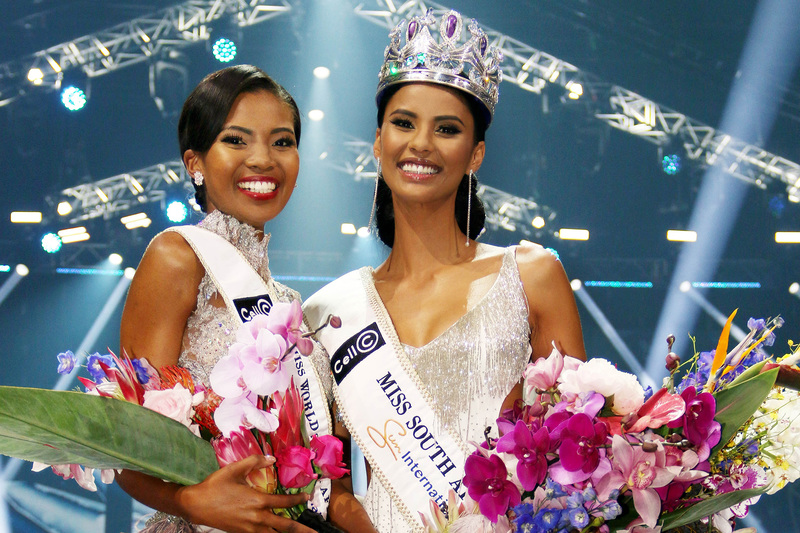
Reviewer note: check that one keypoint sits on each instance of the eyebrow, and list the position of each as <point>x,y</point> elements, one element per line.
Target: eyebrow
<point>250,132</point>
<point>438,118</point>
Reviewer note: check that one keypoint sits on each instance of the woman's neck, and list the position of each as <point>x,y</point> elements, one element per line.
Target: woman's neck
<point>426,238</point>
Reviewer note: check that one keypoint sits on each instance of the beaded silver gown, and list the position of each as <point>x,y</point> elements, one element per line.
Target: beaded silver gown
<point>469,370</point>
<point>211,328</point>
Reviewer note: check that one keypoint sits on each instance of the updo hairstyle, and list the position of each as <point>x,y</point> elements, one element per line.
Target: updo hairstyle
<point>384,209</point>
<point>205,110</point>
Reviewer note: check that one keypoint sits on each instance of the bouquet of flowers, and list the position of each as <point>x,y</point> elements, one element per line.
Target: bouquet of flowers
<point>589,450</point>
<point>253,407</point>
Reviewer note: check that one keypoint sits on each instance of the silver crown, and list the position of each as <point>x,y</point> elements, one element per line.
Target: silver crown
<point>473,67</point>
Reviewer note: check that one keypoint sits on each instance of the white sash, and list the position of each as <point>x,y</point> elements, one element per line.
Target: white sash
<point>386,407</point>
<point>246,294</point>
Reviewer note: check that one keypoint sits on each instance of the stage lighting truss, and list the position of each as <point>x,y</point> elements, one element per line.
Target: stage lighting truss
<point>533,69</point>
<point>106,197</point>
<point>129,43</point>
<point>503,210</point>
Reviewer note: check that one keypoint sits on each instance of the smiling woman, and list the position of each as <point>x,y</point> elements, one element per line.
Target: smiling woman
<point>238,132</point>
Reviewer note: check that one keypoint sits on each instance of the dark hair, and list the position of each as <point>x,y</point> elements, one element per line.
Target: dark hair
<point>384,208</point>
<point>207,107</point>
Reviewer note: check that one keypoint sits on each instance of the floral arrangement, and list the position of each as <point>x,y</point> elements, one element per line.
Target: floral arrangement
<point>253,407</point>
<point>589,450</point>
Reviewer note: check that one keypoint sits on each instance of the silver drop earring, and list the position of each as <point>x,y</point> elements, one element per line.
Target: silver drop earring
<point>198,178</point>
<point>469,201</point>
<point>378,176</point>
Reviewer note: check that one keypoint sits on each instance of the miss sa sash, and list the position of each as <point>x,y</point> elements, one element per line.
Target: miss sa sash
<point>246,294</point>
<point>386,407</point>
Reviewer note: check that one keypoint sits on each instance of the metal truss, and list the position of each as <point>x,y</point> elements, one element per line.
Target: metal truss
<point>532,70</point>
<point>129,43</point>
<point>503,210</point>
<point>109,196</point>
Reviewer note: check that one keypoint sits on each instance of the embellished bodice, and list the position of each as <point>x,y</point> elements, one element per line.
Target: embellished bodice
<point>468,370</point>
<point>211,328</point>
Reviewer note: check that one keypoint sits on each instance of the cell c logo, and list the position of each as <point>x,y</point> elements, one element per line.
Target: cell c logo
<point>251,306</point>
<point>354,350</point>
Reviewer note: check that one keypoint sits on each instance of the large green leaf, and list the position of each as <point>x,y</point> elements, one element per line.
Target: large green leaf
<point>58,427</point>
<point>707,508</point>
<point>737,403</point>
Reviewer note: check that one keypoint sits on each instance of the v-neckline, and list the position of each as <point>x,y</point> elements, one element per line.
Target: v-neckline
<point>376,295</point>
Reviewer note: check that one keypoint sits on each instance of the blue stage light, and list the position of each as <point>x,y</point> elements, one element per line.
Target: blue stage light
<point>51,243</point>
<point>73,98</point>
<point>177,212</point>
<point>224,50</point>
<point>671,164</point>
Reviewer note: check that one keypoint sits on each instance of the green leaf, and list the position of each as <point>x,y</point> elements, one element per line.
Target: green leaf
<point>58,427</point>
<point>737,403</point>
<point>706,508</point>
<point>747,374</point>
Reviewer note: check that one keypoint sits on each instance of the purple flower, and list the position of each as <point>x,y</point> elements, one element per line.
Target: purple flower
<point>756,323</point>
<point>580,441</point>
<point>553,490</point>
<point>610,510</point>
<point>698,423</point>
<point>530,446</point>
<point>524,514</point>
<point>578,517</point>
<point>66,362</point>
<point>94,368</point>
<point>548,519</point>
<point>141,371</point>
<point>487,483</point>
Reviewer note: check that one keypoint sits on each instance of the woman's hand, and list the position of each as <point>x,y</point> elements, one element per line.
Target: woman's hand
<point>225,501</point>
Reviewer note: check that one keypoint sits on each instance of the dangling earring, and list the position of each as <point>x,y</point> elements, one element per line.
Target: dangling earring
<point>378,176</point>
<point>469,201</point>
<point>198,178</point>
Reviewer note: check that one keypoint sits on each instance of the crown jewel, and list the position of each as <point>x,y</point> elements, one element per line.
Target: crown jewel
<point>473,67</point>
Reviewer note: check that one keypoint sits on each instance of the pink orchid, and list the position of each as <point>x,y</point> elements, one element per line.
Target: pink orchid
<point>234,413</point>
<point>226,377</point>
<point>84,478</point>
<point>241,445</point>
<point>542,374</point>
<point>661,408</point>
<point>263,368</point>
<point>530,446</point>
<point>286,319</point>
<point>328,452</point>
<point>294,467</point>
<point>642,472</point>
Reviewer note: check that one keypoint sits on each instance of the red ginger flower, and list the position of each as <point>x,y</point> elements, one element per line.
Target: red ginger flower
<point>241,445</point>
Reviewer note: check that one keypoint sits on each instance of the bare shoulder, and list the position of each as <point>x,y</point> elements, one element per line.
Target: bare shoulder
<point>173,255</point>
<point>538,266</point>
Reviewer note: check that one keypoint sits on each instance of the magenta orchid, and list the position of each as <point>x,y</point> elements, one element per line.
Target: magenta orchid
<point>530,445</point>
<point>487,483</point>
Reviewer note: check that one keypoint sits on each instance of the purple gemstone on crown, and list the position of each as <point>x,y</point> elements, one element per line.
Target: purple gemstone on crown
<point>452,21</point>
<point>412,29</point>
<point>484,44</point>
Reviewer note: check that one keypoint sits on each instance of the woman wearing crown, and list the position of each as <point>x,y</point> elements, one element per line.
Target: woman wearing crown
<point>434,341</point>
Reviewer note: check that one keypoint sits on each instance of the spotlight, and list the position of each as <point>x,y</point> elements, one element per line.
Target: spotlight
<point>685,286</point>
<point>115,259</point>
<point>322,72</point>
<point>139,220</point>
<point>64,208</point>
<point>575,284</point>
<point>537,222</point>
<point>5,268</point>
<point>73,98</point>
<point>677,235</point>
<point>363,232</point>
<point>35,76</point>
<point>22,270</point>
<point>26,217</point>
<point>794,288</point>
<point>348,229</point>
<point>316,115</point>
<point>177,212</point>
<point>129,272</point>
<point>671,164</point>
<point>73,235</point>
<point>787,236</point>
<point>51,243</point>
<point>573,234</point>
<point>224,50</point>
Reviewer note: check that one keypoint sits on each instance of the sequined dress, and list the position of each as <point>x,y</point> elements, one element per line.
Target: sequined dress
<point>211,328</point>
<point>469,370</point>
